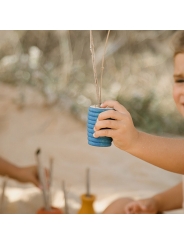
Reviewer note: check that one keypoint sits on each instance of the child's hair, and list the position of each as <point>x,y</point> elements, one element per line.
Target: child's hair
<point>178,42</point>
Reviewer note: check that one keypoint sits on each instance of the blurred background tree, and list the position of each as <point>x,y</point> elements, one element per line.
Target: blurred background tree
<point>138,72</point>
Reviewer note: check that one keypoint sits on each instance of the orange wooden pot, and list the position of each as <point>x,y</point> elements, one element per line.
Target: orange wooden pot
<point>53,210</point>
<point>87,204</point>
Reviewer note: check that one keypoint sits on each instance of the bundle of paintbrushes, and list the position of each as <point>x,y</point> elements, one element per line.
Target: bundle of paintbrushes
<point>65,198</point>
<point>87,199</point>
<point>46,187</point>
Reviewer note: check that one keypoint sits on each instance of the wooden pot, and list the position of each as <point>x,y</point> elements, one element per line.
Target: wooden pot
<point>52,210</point>
<point>87,204</point>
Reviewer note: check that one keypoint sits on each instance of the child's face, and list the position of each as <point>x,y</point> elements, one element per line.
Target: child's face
<point>178,87</point>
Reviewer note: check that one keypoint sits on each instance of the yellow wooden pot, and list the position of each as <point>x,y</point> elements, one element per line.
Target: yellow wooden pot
<point>87,204</point>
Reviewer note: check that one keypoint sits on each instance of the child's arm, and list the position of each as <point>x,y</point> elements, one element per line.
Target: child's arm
<point>170,199</point>
<point>164,201</point>
<point>24,174</point>
<point>166,153</point>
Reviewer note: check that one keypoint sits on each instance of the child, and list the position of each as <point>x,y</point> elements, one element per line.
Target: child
<point>23,174</point>
<point>166,153</point>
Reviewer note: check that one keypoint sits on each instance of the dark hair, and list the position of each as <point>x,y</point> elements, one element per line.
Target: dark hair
<point>178,42</point>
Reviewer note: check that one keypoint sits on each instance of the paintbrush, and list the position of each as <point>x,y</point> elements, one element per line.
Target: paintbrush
<point>87,183</point>
<point>50,180</point>
<point>3,194</point>
<point>65,197</point>
<point>42,180</point>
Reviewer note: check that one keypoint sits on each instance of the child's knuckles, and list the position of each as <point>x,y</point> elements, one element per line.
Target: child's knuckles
<point>106,132</point>
<point>123,128</point>
<point>109,123</point>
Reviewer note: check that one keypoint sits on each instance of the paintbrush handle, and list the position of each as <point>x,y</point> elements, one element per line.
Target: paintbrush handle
<point>51,172</point>
<point>50,181</point>
<point>65,197</point>
<point>44,189</point>
<point>44,184</point>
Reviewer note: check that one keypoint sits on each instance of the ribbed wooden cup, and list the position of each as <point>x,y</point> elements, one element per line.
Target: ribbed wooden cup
<point>93,113</point>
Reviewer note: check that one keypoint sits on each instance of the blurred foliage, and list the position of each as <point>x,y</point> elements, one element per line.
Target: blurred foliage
<point>138,72</point>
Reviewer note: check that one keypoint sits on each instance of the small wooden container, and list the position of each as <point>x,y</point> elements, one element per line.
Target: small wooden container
<point>87,204</point>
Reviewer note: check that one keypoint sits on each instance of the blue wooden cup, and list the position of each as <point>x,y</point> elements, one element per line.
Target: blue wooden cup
<point>93,113</point>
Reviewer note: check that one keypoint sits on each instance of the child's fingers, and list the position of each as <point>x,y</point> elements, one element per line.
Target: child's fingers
<point>135,207</point>
<point>128,209</point>
<point>104,132</point>
<point>143,207</point>
<point>131,208</point>
<point>115,105</point>
<point>116,115</point>
<point>32,173</point>
<point>36,182</point>
<point>111,124</point>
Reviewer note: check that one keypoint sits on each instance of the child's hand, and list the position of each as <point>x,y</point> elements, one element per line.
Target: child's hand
<point>30,174</point>
<point>122,129</point>
<point>145,206</point>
